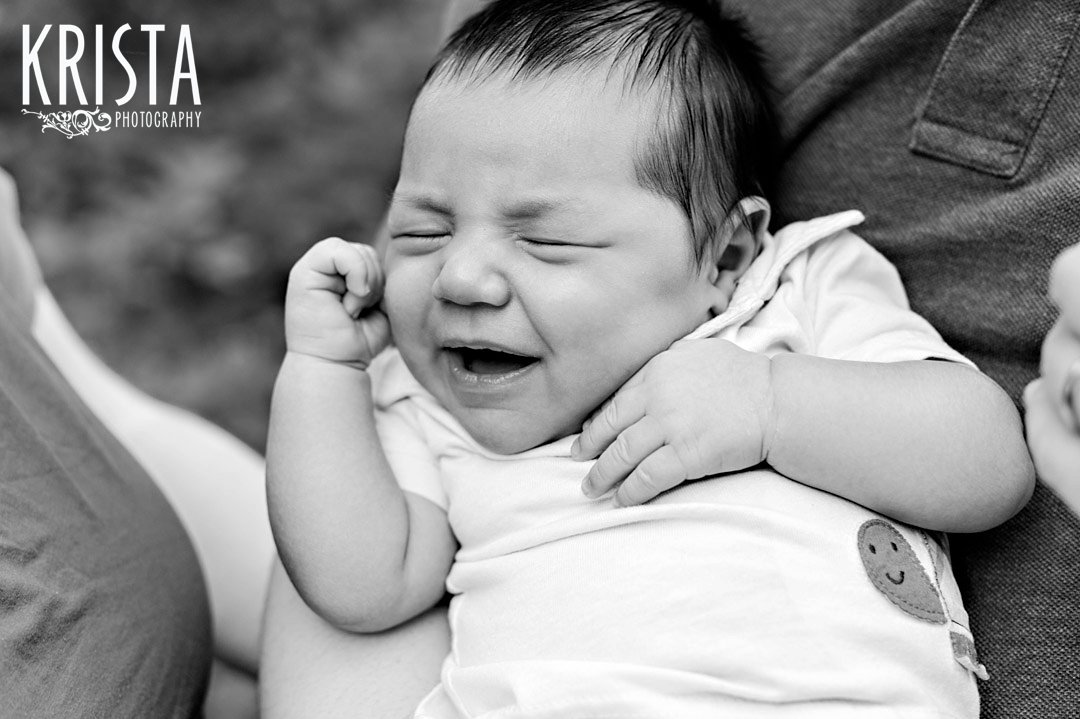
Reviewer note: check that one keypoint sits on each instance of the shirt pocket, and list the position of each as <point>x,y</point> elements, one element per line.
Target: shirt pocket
<point>992,86</point>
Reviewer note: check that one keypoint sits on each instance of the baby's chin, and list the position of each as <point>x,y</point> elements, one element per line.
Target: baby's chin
<point>509,433</point>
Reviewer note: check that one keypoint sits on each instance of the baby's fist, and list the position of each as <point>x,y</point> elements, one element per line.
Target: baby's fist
<point>331,306</point>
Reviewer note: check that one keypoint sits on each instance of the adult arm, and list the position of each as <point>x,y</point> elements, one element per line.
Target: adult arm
<point>311,668</point>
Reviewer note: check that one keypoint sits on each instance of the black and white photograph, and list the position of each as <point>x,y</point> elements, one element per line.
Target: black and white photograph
<point>546,359</point>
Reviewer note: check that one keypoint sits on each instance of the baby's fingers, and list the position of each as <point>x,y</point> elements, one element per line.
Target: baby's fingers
<point>1060,364</point>
<point>359,265</point>
<point>1054,448</point>
<point>624,409</point>
<point>622,456</point>
<point>353,304</point>
<point>660,471</point>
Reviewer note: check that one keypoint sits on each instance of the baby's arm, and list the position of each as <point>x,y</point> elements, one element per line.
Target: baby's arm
<point>932,443</point>
<point>935,444</point>
<point>361,552</point>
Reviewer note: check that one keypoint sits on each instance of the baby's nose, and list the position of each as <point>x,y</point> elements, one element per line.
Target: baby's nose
<point>471,275</point>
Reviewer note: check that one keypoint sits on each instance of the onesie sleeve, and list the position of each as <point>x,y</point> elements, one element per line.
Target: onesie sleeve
<point>858,309</point>
<point>414,464</point>
<point>400,427</point>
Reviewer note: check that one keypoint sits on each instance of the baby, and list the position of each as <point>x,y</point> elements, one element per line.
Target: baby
<point>579,191</point>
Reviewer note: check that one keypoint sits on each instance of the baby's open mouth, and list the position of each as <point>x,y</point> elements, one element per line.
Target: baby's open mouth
<point>486,362</point>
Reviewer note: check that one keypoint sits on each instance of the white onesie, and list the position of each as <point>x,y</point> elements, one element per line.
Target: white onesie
<point>747,595</point>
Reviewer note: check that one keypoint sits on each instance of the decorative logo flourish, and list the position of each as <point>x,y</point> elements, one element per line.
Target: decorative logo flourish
<point>73,124</point>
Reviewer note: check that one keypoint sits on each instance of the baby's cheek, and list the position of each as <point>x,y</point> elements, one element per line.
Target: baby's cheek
<point>402,301</point>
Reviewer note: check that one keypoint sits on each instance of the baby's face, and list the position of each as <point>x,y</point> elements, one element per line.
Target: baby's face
<point>529,275</point>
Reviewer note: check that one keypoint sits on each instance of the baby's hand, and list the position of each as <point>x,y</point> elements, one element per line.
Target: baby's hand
<point>702,407</point>
<point>331,304</point>
<point>1053,401</point>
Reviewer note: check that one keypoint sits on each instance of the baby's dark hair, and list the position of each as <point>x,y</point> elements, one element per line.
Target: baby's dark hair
<point>716,133</point>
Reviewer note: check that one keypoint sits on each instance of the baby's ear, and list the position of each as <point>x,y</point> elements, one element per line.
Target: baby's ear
<point>745,226</point>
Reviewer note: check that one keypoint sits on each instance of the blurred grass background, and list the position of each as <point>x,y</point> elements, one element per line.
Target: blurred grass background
<point>169,249</point>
